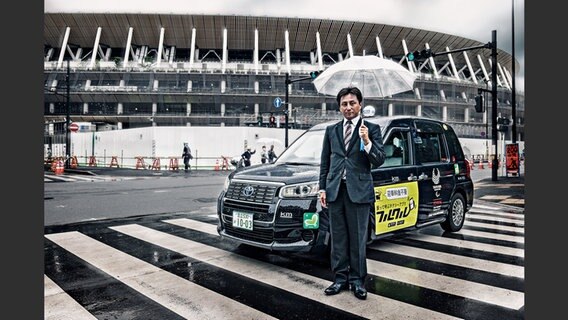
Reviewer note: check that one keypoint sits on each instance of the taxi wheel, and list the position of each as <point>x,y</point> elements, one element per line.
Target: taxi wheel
<point>456,214</point>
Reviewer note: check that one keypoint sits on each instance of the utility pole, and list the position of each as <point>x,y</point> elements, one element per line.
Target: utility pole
<point>67,121</point>
<point>514,95</point>
<point>495,161</point>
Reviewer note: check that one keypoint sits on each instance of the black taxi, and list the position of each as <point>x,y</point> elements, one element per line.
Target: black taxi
<point>425,180</point>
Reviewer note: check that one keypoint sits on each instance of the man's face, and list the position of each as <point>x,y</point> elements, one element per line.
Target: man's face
<point>349,106</point>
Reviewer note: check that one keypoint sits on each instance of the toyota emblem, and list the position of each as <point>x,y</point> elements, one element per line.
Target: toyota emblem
<point>248,191</point>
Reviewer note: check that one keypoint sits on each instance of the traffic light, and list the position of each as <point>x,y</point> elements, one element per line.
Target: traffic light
<point>314,74</point>
<point>479,103</point>
<point>419,55</point>
<point>503,124</point>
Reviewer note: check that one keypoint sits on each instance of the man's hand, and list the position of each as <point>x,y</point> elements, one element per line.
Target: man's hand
<point>364,133</point>
<point>323,201</point>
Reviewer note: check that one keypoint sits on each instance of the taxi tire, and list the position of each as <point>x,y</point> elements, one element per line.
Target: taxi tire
<point>456,214</point>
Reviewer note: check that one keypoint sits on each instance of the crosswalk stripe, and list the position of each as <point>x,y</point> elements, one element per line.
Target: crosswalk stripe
<point>494,227</point>
<point>491,235</point>
<point>496,212</point>
<point>59,305</point>
<point>179,295</point>
<point>466,244</point>
<point>461,261</point>
<point>486,217</point>
<point>298,283</point>
<point>460,287</point>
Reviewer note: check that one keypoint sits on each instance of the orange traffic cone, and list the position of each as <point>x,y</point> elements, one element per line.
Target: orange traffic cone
<point>60,168</point>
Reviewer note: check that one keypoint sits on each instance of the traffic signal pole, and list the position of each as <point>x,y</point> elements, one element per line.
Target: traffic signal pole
<point>67,121</point>
<point>495,161</point>
<point>312,76</point>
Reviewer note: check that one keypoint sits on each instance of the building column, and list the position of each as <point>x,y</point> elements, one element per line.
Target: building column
<point>419,110</point>
<point>154,108</point>
<point>156,84</point>
<point>323,109</point>
<point>187,109</point>
<point>85,108</point>
<point>119,125</point>
<point>256,86</point>
<point>51,107</point>
<point>222,109</point>
<point>119,108</point>
<point>87,84</point>
<point>223,86</point>
<point>121,83</point>
<point>442,95</point>
<point>445,113</point>
<point>256,109</point>
<point>466,115</point>
<point>391,109</point>
<point>189,86</point>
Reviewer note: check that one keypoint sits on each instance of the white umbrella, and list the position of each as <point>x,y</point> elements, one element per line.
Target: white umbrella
<point>375,77</point>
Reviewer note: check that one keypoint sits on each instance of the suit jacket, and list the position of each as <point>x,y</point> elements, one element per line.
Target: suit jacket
<point>334,159</point>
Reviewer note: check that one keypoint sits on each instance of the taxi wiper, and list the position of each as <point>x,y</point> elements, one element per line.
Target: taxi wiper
<point>301,163</point>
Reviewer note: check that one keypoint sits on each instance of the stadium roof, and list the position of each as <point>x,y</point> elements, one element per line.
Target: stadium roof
<point>240,34</point>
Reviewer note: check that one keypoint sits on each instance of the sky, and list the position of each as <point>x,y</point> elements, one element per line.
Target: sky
<point>472,19</point>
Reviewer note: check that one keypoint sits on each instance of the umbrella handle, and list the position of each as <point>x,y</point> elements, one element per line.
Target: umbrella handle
<point>362,145</point>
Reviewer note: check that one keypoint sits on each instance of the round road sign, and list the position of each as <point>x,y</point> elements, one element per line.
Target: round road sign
<point>74,127</point>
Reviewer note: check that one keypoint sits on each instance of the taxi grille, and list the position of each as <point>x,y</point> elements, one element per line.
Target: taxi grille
<point>261,194</point>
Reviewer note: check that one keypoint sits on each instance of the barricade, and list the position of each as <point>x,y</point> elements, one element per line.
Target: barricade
<point>156,164</point>
<point>174,166</point>
<point>92,161</point>
<point>481,164</point>
<point>225,163</point>
<point>73,162</point>
<point>216,164</point>
<point>60,167</point>
<point>140,163</point>
<point>113,162</point>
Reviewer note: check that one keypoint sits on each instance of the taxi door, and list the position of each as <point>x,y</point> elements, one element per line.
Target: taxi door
<point>395,184</point>
<point>435,172</point>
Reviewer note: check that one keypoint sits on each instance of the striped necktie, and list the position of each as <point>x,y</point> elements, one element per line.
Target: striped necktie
<point>348,133</point>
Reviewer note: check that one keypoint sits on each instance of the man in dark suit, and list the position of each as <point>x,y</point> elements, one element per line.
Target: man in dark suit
<point>346,189</point>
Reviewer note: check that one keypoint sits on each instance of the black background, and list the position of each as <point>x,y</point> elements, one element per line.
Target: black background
<point>22,160</point>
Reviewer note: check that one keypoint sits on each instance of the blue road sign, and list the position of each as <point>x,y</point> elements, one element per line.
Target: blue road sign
<point>277,102</point>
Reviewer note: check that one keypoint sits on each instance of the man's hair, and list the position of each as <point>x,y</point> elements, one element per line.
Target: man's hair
<point>348,90</point>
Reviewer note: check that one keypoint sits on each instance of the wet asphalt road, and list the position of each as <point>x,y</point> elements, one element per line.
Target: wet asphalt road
<point>169,263</point>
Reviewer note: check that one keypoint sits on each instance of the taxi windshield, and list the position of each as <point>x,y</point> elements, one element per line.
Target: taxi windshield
<point>305,150</point>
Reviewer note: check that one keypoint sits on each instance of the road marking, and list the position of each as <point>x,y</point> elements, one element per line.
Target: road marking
<point>183,297</point>
<point>295,282</point>
<point>464,288</point>
<point>59,305</point>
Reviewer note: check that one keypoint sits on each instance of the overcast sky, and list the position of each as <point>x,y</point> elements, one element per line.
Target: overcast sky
<point>473,19</point>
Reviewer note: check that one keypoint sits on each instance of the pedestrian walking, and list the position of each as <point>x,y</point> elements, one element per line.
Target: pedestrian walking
<point>186,155</point>
<point>247,155</point>
<point>346,189</point>
<point>271,154</point>
<point>263,154</point>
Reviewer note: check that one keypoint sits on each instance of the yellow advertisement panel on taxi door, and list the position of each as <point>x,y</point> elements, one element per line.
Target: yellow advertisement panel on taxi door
<point>396,206</point>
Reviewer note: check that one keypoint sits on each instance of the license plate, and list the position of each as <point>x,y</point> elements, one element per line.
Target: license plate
<point>242,220</point>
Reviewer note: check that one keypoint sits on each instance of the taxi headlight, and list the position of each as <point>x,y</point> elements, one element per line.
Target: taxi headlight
<point>226,184</point>
<point>302,190</point>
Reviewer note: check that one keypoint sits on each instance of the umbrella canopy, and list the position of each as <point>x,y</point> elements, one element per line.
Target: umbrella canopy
<point>375,77</point>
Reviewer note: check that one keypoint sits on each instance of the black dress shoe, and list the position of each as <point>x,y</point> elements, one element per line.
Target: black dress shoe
<point>335,288</point>
<point>359,291</point>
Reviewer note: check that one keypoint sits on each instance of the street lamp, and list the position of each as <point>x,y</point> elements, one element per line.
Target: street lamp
<point>312,76</point>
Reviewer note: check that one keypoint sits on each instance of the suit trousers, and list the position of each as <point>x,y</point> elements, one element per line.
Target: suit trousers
<point>348,224</point>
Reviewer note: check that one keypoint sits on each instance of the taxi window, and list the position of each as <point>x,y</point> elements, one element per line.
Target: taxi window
<point>430,148</point>
<point>396,149</point>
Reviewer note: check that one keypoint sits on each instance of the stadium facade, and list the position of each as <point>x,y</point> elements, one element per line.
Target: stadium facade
<point>116,71</point>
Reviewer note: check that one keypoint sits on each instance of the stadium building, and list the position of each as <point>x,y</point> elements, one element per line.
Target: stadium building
<point>116,71</point>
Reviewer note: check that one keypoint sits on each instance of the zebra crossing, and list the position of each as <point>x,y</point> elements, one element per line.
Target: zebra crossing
<point>177,267</point>
<point>51,178</point>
